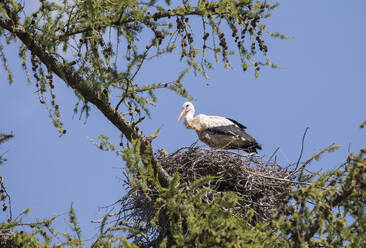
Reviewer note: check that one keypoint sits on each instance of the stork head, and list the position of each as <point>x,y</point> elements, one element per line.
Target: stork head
<point>187,108</point>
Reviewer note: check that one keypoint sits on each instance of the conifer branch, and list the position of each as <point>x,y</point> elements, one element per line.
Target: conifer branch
<point>194,11</point>
<point>75,81</point>
<point>157,15</point>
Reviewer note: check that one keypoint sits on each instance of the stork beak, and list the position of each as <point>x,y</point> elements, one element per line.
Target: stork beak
<point>181,114</point>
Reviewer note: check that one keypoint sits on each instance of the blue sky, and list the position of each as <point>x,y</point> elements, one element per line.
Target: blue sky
<point>323,87</point>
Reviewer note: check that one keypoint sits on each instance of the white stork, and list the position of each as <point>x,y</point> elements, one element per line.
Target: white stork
<point>217,131</point>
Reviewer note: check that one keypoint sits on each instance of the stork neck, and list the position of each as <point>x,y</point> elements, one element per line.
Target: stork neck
<point>189,116</point>
<point>188,119</point>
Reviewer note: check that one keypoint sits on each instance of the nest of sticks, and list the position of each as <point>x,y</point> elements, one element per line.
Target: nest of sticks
<point>262,184</point>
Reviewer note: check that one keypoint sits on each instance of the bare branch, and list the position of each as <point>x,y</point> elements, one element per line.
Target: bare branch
<point>302,148</point>
<point>274,153</point>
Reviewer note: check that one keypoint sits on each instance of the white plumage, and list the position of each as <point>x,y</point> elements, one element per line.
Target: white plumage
<point>218,131</point>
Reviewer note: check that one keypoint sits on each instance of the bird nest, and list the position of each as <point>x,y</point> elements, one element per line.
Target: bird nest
<point>260,184</point>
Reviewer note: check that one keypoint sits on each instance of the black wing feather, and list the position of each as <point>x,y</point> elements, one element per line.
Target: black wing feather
<point>251,145</point>
<point>237,123</point>
<point>231,130</point>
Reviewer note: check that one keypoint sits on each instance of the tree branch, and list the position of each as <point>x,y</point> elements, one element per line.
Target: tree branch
<point>75,81</point>
<point>302,148</point>
<point>154,16</point>
<point>157,15</point>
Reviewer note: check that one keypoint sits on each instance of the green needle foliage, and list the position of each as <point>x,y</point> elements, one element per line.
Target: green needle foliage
<point>106,43</point>
<point>330,212</point>
<point>98,49</point>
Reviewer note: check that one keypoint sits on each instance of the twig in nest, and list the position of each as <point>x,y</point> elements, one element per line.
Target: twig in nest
<point>274,153</point>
